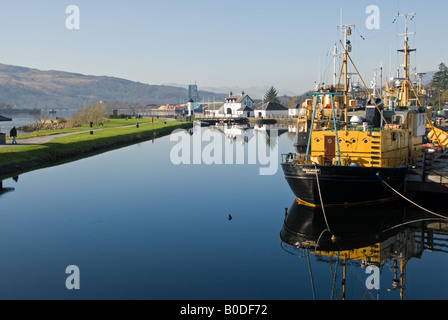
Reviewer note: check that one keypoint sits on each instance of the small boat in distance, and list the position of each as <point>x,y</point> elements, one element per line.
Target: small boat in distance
<point>347,163</point>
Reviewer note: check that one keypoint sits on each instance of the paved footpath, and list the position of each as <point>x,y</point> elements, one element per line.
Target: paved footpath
<point>35,141</point>
<point>46,139</point>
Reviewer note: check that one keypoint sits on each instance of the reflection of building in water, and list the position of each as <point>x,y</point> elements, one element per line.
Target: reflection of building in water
<point>268,128</point>
<point>380,237</point>
<point>245,132</point>
<point>240,133</point>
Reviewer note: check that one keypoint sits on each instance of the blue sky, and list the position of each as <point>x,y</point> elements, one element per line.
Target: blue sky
<point>241,43</point>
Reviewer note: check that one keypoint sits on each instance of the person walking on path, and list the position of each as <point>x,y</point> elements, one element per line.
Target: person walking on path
<point>13,134</point>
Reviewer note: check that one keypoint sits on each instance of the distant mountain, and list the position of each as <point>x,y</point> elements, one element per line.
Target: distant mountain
<point>32,88</point>
<point>427,77</point>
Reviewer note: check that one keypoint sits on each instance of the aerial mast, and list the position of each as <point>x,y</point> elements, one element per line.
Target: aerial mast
<point>407,51</point>
<point>346,31</point>
<point>335,54</point>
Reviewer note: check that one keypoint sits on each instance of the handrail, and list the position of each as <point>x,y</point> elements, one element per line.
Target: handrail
<point>292,158</point>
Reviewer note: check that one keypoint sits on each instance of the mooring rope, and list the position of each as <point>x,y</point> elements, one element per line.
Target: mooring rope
<point>410,201</point>
<point>321,200</point>
<point>311,274</point>
<point>410,222</point>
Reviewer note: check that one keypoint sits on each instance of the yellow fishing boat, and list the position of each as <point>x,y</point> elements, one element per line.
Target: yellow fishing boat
<point>343,160</point>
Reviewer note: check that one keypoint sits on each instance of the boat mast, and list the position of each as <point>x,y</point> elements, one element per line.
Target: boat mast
<point>405,89</point>
<point>346,31</point>
<point>335,54</point>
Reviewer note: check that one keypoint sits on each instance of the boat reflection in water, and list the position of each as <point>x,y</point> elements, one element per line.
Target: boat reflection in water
<point>365,237</point>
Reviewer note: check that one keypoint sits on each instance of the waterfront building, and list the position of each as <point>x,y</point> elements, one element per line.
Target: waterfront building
<point>271,109</point>
<point>237,105</point>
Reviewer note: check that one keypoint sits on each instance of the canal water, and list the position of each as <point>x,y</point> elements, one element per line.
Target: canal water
<point>173,220</point>
<point>23,119</point>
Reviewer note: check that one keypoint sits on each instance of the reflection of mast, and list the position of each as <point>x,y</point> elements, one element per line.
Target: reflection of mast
<point>344,280</point>
<point>402,277</point>
<point>376,239</point>
<point>399,283</point>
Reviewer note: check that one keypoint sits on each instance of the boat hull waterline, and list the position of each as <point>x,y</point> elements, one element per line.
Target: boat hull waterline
<point>343,185</point>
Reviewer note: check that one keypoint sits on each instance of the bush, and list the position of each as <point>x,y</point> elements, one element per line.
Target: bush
<point>96,113</point>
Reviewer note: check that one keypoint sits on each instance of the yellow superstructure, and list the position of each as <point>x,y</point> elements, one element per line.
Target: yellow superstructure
<point>377,140</point>
<point>368,147</point>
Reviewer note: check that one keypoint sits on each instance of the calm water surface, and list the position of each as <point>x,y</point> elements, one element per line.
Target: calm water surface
<point>140,227</point>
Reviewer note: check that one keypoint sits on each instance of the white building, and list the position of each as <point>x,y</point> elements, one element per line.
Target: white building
<point>238,106</point>
<point>245,112</point>
<point>294,112</point>
<point>213,110</point>
<point>271,110</point>
<point>190,107</point>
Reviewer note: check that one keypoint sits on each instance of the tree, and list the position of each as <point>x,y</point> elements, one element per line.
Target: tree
<point>96,114</point>
<point>438,86</point>
<point>271,95</point>
<point>445,96</point>
<point>440,80</point>
<point>293,102</point>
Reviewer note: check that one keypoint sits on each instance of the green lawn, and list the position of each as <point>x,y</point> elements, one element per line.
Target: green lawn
<point>112,123</point>
<point>25,158</point>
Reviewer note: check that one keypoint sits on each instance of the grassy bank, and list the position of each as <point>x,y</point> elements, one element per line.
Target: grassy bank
<point>112,123</point>
<point>18,160</point>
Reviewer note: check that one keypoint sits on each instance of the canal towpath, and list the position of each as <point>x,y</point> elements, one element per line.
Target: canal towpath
<point>48,138</point>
